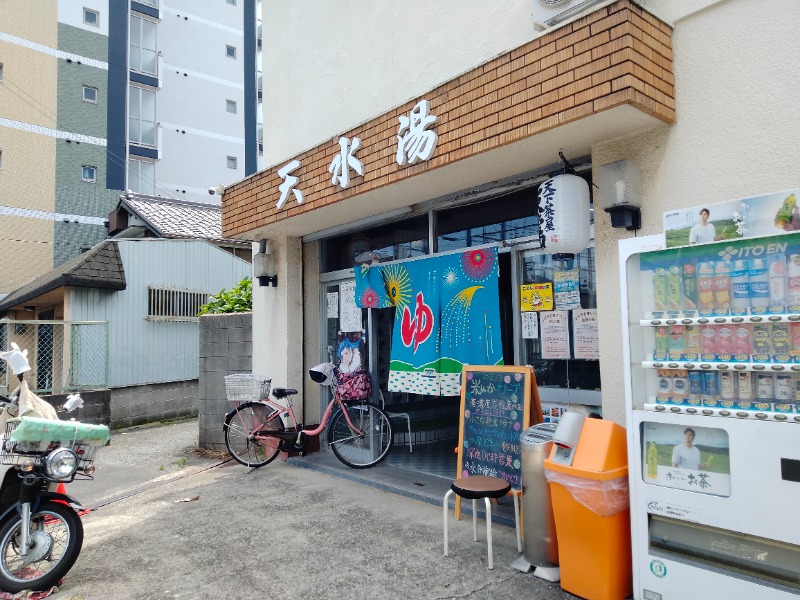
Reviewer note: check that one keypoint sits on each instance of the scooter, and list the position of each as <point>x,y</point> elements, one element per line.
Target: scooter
<point>41,533</point>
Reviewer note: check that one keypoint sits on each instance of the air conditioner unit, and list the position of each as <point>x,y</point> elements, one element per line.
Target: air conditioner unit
<point>545,15</point>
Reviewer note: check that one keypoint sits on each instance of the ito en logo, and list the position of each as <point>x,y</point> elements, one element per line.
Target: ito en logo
<point>658,568</point>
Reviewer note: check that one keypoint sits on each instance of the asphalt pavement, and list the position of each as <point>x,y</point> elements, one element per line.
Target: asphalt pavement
<point>169,523</point>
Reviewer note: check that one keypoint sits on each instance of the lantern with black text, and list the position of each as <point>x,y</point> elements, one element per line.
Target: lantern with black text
<point>564,214</point>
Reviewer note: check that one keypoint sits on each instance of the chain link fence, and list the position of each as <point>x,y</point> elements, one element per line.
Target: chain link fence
<point>64,355</point>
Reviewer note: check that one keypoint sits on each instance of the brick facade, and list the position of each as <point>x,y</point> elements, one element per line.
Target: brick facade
<point>617,55</point>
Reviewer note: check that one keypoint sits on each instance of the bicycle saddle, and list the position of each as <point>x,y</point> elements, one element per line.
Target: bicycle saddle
<point>283,392</point>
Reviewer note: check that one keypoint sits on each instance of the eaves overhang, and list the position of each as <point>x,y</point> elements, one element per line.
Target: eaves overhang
<point>604,76</point>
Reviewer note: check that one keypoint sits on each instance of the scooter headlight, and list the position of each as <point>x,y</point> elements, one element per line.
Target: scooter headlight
<point>61,463</point>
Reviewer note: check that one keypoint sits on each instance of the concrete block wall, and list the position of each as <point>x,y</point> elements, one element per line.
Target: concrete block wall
<point>140,404</point>
<point>96,407</point>
<point>226,347</point>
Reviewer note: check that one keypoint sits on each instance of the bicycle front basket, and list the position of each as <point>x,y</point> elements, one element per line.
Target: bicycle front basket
<point>243,386</point>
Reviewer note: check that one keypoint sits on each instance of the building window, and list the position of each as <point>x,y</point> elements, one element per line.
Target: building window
<point>143,45</point>
<point>142,176</point>
<point>169,304</point>
<point>90,94</point>
<point>231,2</point>
<point>89,173</point>
<point>230,106</point>
<point>230,51</point>
<point>142,116</point>
<point>231,162</point>
<point>91,17</point>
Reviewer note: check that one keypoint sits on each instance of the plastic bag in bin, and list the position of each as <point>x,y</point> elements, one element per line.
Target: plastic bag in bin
<point>605,498</point>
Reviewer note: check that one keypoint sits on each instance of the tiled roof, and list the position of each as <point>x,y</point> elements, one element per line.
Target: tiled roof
<point>170,218</point>
<point>99,267</point>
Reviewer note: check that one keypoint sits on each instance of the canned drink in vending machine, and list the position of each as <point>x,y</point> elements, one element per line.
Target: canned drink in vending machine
<point>746,386</point>
<point>784,392</point>
<point>765,387</point>
<point>680,387</point>
<point>663,386</point>
<point>695,388</point>
<point>711,389</point>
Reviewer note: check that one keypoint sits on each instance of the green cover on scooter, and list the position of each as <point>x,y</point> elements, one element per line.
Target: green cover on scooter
<point>34,429</point>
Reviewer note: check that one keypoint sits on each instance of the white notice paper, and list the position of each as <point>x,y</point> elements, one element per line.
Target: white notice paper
<point>349,313</point>
<point>555,334</point>
<point>530,325</point>
<point>584,328</point>
<point>333,305</point>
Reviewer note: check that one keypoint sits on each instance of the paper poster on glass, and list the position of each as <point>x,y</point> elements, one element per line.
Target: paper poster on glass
<point>349,312</point>
<point>333,305</point>
<point>536,296</point>
<point>766,214</point>
<point>567,289</point>
<point>584,327</point>
<point>687,458</point>
<point>530,326</point>
<point>554,331</point>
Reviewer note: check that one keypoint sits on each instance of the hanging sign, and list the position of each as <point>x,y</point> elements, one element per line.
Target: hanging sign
<point>536,296</point>
<point>555,334</point>
<point>564,214</point>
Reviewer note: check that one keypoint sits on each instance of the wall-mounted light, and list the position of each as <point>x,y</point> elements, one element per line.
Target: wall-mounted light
<point>264,265</point>
<point>621,193</point>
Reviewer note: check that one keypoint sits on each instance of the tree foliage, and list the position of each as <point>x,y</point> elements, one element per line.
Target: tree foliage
<point>238,299</point>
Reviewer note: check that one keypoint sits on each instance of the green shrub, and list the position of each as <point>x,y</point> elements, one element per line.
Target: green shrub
<point>239,299</point>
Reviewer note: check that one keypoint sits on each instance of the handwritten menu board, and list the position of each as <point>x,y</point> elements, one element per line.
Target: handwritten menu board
<point>497,404</point>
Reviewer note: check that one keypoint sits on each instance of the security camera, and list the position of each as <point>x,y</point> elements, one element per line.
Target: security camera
<point>217,189</point>
<point>212,191</point>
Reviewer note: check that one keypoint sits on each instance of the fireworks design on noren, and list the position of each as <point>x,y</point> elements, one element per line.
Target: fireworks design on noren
<point>398,285</point>
<point>450,278</point>
<point>369,298</point>
<point>455,318</point>
<point>478,264</point>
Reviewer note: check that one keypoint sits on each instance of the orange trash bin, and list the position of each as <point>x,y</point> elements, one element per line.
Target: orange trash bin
<point>592,514</point>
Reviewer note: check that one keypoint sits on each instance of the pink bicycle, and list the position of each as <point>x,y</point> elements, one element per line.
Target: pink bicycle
<point>260,427</point>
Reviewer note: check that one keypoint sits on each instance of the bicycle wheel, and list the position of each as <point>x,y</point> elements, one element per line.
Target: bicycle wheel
<point>241,434</point>
<point>367,446</point>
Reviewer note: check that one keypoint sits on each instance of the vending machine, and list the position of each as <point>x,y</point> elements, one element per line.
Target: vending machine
<point>712,378</point>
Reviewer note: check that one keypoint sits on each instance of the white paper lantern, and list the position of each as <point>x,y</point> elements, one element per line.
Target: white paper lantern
<point>564,214</point>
